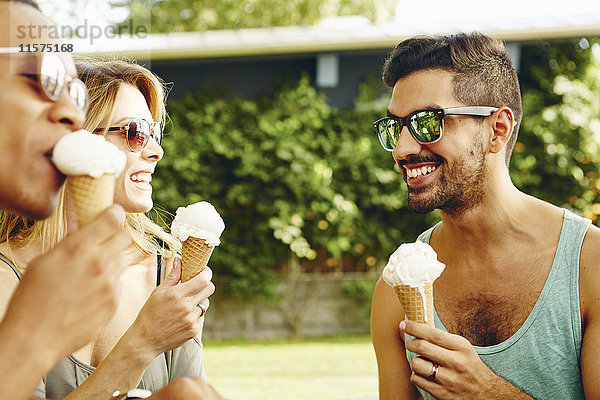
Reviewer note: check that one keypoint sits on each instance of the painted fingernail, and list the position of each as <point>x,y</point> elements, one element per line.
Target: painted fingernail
<point>403,325</point>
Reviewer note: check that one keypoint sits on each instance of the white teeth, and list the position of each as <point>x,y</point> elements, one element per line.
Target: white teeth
<point>141,177</point>
<point>416,172</point>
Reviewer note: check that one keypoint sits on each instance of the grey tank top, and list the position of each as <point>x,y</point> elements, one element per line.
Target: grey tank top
<point>543,358</point>
<point>70,372</point>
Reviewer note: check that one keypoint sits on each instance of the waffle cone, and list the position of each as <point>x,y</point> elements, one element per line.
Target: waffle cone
<point>194,257</point>
<point>91,195</point>
<point>412,302</point>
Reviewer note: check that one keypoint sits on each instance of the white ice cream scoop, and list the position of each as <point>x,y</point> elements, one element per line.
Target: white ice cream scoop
<point>411,270</point>
<point>200,220</point>
<point>413,264</point>
<point>83,153</point>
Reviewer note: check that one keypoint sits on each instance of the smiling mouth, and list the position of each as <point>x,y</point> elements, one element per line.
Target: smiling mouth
<point>142,177</point>
<point>413,173</point>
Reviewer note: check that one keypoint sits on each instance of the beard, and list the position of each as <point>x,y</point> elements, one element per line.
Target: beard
<point>459,187</point>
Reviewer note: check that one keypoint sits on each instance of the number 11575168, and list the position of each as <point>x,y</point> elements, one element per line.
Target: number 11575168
<point>46,47</point>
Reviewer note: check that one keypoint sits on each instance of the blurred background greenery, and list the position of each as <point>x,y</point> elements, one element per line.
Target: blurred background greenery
<point>203,15</point>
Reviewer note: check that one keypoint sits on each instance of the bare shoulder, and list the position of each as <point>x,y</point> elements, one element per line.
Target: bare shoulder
<point>589,274</point>
<point>590,251</point>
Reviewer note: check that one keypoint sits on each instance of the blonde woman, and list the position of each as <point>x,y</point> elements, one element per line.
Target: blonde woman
<point>153,337</point>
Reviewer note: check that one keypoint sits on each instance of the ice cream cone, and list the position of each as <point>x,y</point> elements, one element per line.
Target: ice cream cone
<point>194,257</point>
<point>412,302</point>
<point>91,195</point>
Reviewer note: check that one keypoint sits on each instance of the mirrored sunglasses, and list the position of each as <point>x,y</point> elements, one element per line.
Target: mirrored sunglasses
<point>51,75</point>
<point>426,126</point>
<point>137,132</point>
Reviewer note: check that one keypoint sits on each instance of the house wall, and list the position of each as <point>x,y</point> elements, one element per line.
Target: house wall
<point>255,76</point>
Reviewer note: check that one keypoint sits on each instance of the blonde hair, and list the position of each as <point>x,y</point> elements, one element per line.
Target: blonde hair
<point>103,79</point>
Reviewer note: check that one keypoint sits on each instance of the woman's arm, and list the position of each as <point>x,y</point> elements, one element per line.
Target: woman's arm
<point>169,318</point>
<point>394,370</point>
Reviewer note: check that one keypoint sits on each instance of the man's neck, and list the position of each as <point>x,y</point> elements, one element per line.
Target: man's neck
<point>502,212</point>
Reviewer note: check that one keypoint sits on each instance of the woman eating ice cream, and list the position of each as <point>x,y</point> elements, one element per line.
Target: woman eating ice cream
<point>154,337</point>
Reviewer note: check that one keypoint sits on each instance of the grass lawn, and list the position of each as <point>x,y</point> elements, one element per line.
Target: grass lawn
<point>332,368</point>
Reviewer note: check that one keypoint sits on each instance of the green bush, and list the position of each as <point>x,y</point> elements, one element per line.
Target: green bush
<point>201,15</point>
<point>557,157</point>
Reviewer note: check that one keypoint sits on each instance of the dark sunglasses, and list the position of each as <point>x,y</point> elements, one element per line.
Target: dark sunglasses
<point>426,126</point>
<point>138,133</point>
<point>51,75</point>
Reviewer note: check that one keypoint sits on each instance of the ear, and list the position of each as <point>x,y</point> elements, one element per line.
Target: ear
<point>503,124</point>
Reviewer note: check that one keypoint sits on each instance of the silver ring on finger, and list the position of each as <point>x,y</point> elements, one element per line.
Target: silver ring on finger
<point>434,370</point>
<point>203,310</point>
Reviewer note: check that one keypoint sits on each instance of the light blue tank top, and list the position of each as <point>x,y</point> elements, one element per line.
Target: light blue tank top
<point>543,357</point>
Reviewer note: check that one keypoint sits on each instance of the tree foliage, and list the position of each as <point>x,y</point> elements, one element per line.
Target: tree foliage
<point>557,154</point>
<point>202,15</point>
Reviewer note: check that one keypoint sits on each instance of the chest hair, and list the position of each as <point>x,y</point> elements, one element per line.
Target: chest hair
<point>489,320</point>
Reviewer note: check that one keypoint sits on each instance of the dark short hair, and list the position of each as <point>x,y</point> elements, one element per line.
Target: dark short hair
<point>28,2</point>
<point>484,75</point>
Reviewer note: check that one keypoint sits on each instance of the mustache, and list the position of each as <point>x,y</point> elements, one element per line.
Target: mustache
<point>421,159</point>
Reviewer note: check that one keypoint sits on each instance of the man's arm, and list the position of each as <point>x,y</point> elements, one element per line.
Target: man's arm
<point>589,298</point>
<point>394,370</point>
<point>63,301</point>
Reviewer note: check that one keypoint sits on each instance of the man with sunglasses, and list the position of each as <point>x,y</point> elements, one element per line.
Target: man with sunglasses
<point>69,294</point>
<point>517,307</point>
<point>56,308</point>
